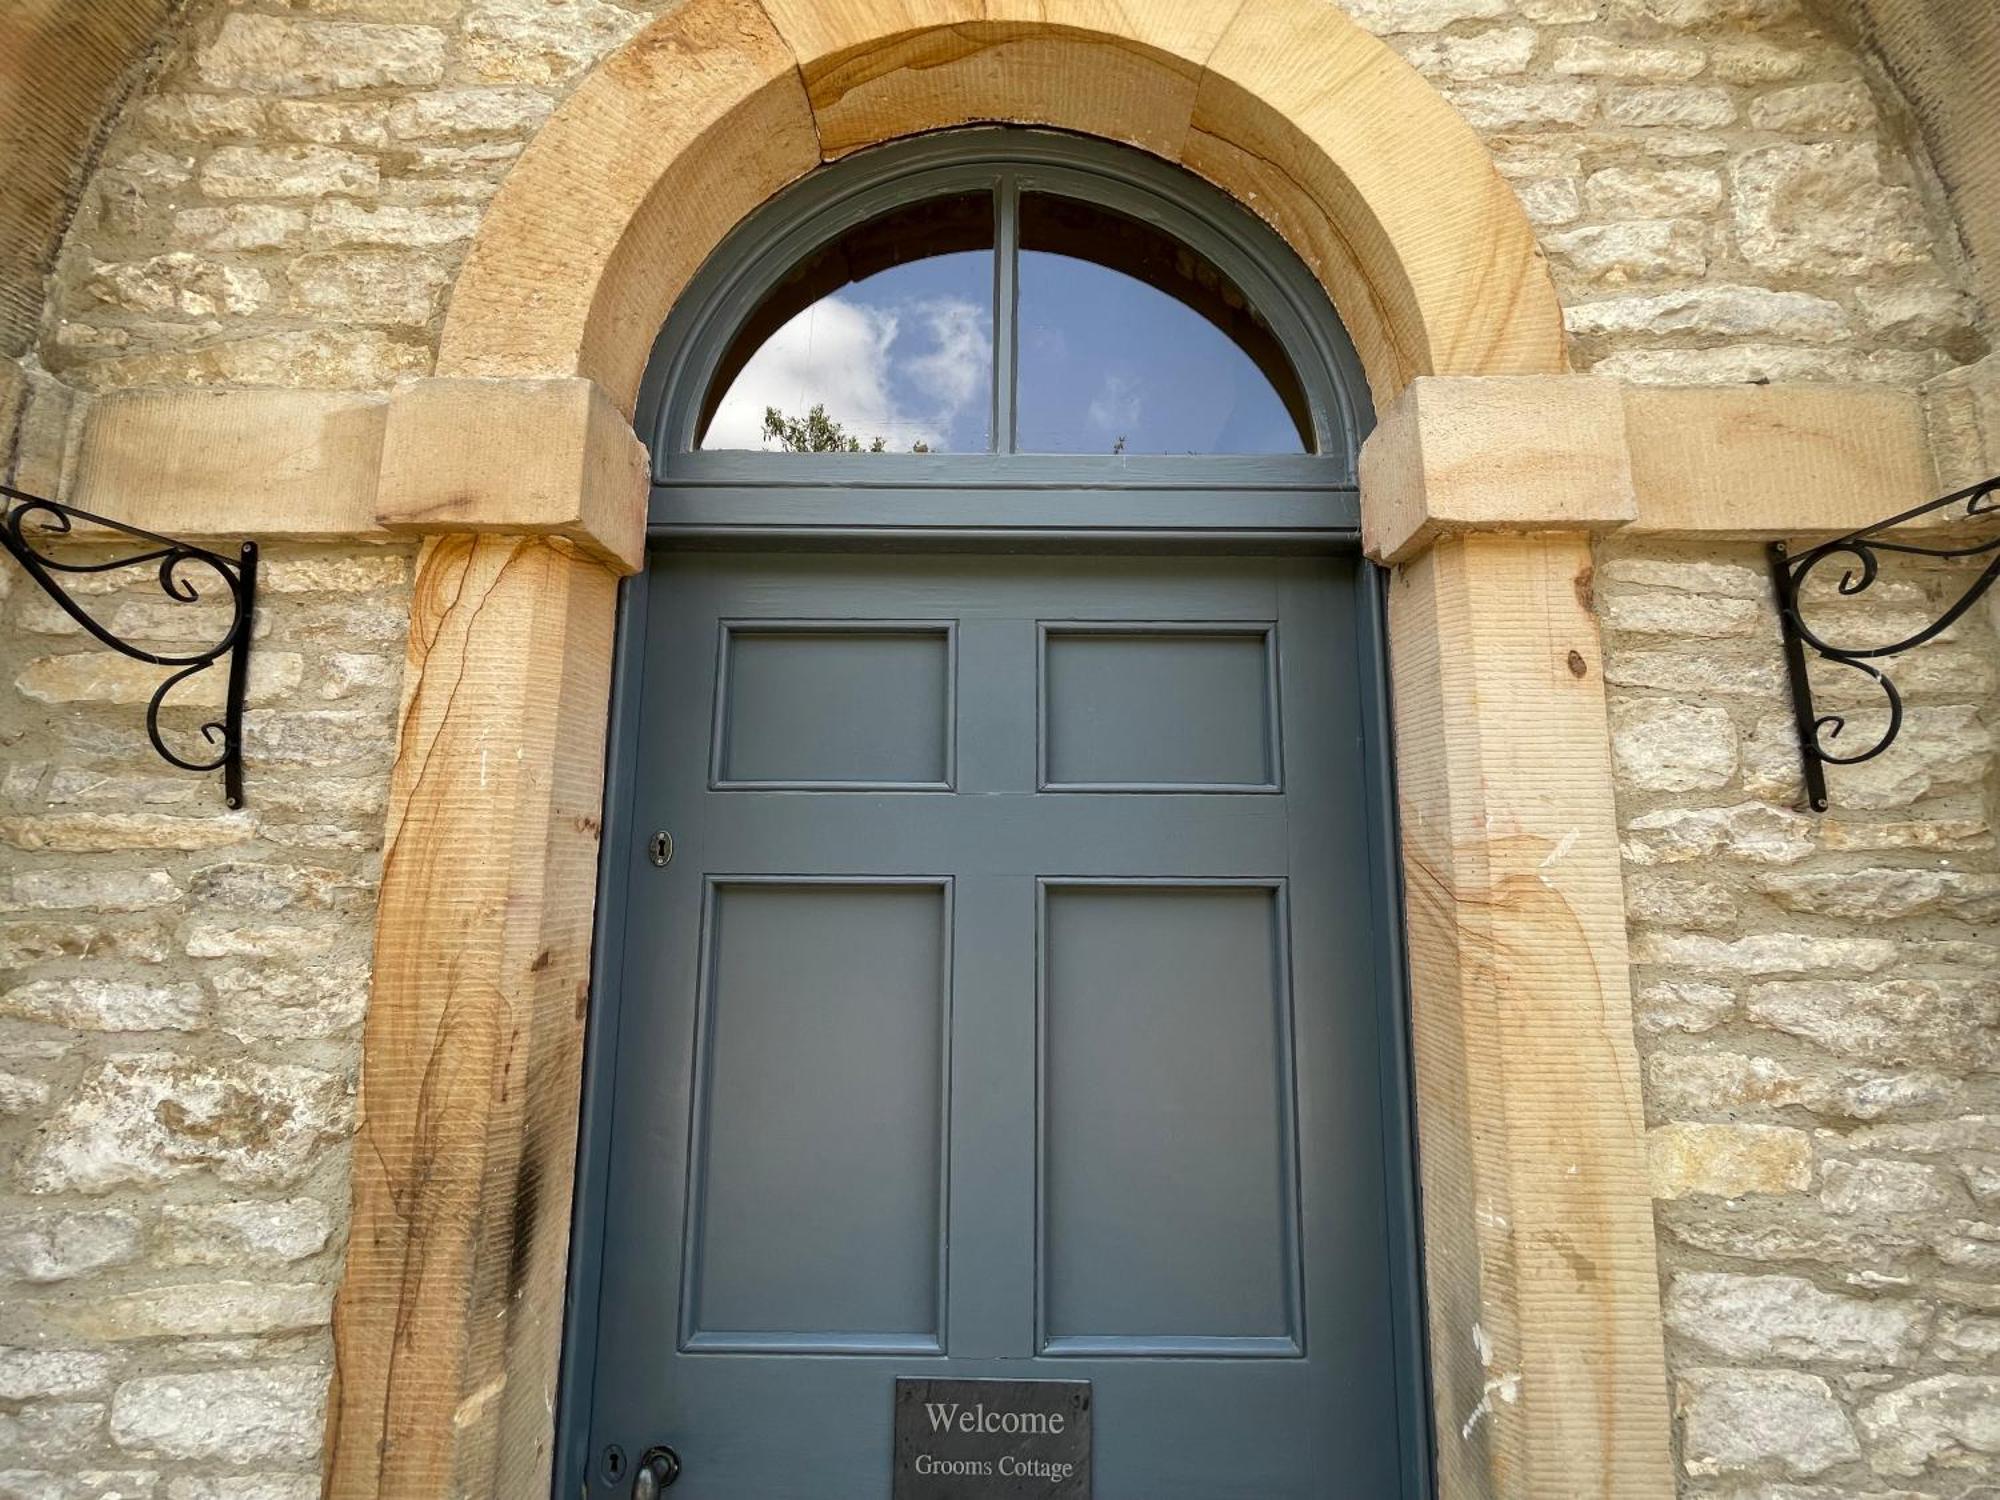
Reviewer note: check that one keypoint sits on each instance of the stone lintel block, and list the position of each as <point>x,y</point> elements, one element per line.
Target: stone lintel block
<point>1775,460</point>
<point>228,463</point>
<point>529,457</point>
<point>1517,453</point>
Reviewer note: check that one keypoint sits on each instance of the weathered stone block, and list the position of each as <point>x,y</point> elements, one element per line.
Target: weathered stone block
<point>1764,1318</point>
<point>1608,57</point>
<point>31,1374</point>
<point>150,1118</point>
<point>235,1417</point>
<point>240,226</point>
<point>1652,193</point>
<point>1735,1420</point>
<point>1691,1005</point>
<point>1844,104</point>
<point>274,55</point>
<point>1690,668</point>
<point>1721,311</point>
<point>375,286</point>
<point>1882,1185</point>
<point>1500,53</point>
<point>470,114</point>
<point>57,1245</point>
<point>1641,250</point>
<point>52,1432</point>
<point>1683,1085</point>
<point>531,41</point>
<point>272,888</point>
<point>97,676</point>
<point>1765,952</point>
<point>286,172</point>
<point>1728,1161</point>
<point>101,1004</point>
<point>179,283</point>
<point>1518,106</point>
<point>1669,901</point>
<point>204,1309</point>
<point>89,890</point>
<point>1678,108</point>
<point>94,833</point>
<point>256,1232</point>
<point>1824,209</point>
<point>1886,894</point>
<point>1947,1419</point>
<point>1753,831</point>
<point>339,222</point>
<point>1895,1021</point>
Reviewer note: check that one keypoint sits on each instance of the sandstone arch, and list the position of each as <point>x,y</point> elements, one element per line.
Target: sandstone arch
<point>1377,183</point>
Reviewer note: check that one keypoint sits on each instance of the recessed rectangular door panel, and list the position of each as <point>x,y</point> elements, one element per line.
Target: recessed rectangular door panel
<point>1168,1221</point>
<point>817,1200</point>
<point>1161,707</point>
<point>831,703</point>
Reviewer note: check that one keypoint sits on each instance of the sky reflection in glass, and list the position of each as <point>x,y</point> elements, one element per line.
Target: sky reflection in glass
<point>1129,342</point>
<point>1124,348</point>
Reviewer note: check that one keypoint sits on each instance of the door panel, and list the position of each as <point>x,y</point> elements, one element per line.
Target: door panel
<point>1009,1008</point>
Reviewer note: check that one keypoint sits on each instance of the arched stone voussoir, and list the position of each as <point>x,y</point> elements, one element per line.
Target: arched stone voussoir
<point>1286,104</point>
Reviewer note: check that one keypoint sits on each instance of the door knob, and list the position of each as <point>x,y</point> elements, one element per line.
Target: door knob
<point>659,1468</point>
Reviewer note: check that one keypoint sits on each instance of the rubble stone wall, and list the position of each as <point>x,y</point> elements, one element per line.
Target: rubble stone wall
<point>1724,196</point>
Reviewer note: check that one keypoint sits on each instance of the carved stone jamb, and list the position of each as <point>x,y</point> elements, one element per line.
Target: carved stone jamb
<point>1546,1350</point>
<point>448,1321</point>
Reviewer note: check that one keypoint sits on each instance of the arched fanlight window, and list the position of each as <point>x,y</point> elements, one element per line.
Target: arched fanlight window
<point>1003,292</point>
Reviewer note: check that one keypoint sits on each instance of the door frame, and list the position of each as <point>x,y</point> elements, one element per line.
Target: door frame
<point>513,461</point>
<point>1318,487</point>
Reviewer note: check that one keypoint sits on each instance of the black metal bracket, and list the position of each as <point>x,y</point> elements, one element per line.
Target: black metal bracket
<point>1789,574</point>
<point>175,560</point>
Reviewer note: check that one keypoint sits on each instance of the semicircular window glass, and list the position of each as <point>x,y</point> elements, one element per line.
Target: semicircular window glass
<point>894,336</point>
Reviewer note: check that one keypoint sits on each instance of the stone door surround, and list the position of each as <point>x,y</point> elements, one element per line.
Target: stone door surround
<point>1483,485</point>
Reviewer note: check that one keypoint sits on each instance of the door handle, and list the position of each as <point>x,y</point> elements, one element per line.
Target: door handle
<point>658,1469</point>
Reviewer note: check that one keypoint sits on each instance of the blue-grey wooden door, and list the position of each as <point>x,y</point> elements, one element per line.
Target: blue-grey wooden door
<point>1009,1007</point>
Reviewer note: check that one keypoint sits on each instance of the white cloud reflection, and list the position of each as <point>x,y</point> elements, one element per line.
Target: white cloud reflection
<point>905,372</point>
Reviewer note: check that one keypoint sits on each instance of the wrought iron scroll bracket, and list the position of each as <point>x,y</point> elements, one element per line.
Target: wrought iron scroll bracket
<point>29,523</point>
<point>1861,554</point>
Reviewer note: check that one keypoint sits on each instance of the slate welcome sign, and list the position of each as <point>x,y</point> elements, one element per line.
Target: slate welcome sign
<point>975,1439</point>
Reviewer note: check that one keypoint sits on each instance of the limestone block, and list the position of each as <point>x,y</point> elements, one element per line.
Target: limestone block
<point>1882,1185</point>
<point>1763,1318</point>
<point>244,1232</point>
<point>1673,747</point>
<point>286,172</point>
<point>1642,250</point>
<point>236,1417</point>
<point>1605,57</point>
<point>1764,952</point>
<point>1718,311</point>
<point>1652,193</point>
<point>1900,1022</point>
<point>1500,53</point>
<point>273,55</point>
<point>1728,1161</point>
<point>515,456</point>
<point>150,1117</point>
<point>1844,104</point>
<point>59,1245</point>
<point>98,1004</point>
<point>1752,831</point>
<point>1433,468</point>
<point>1738,1419</point>
<point>1824,209</point>
<point>1948,1419</point>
